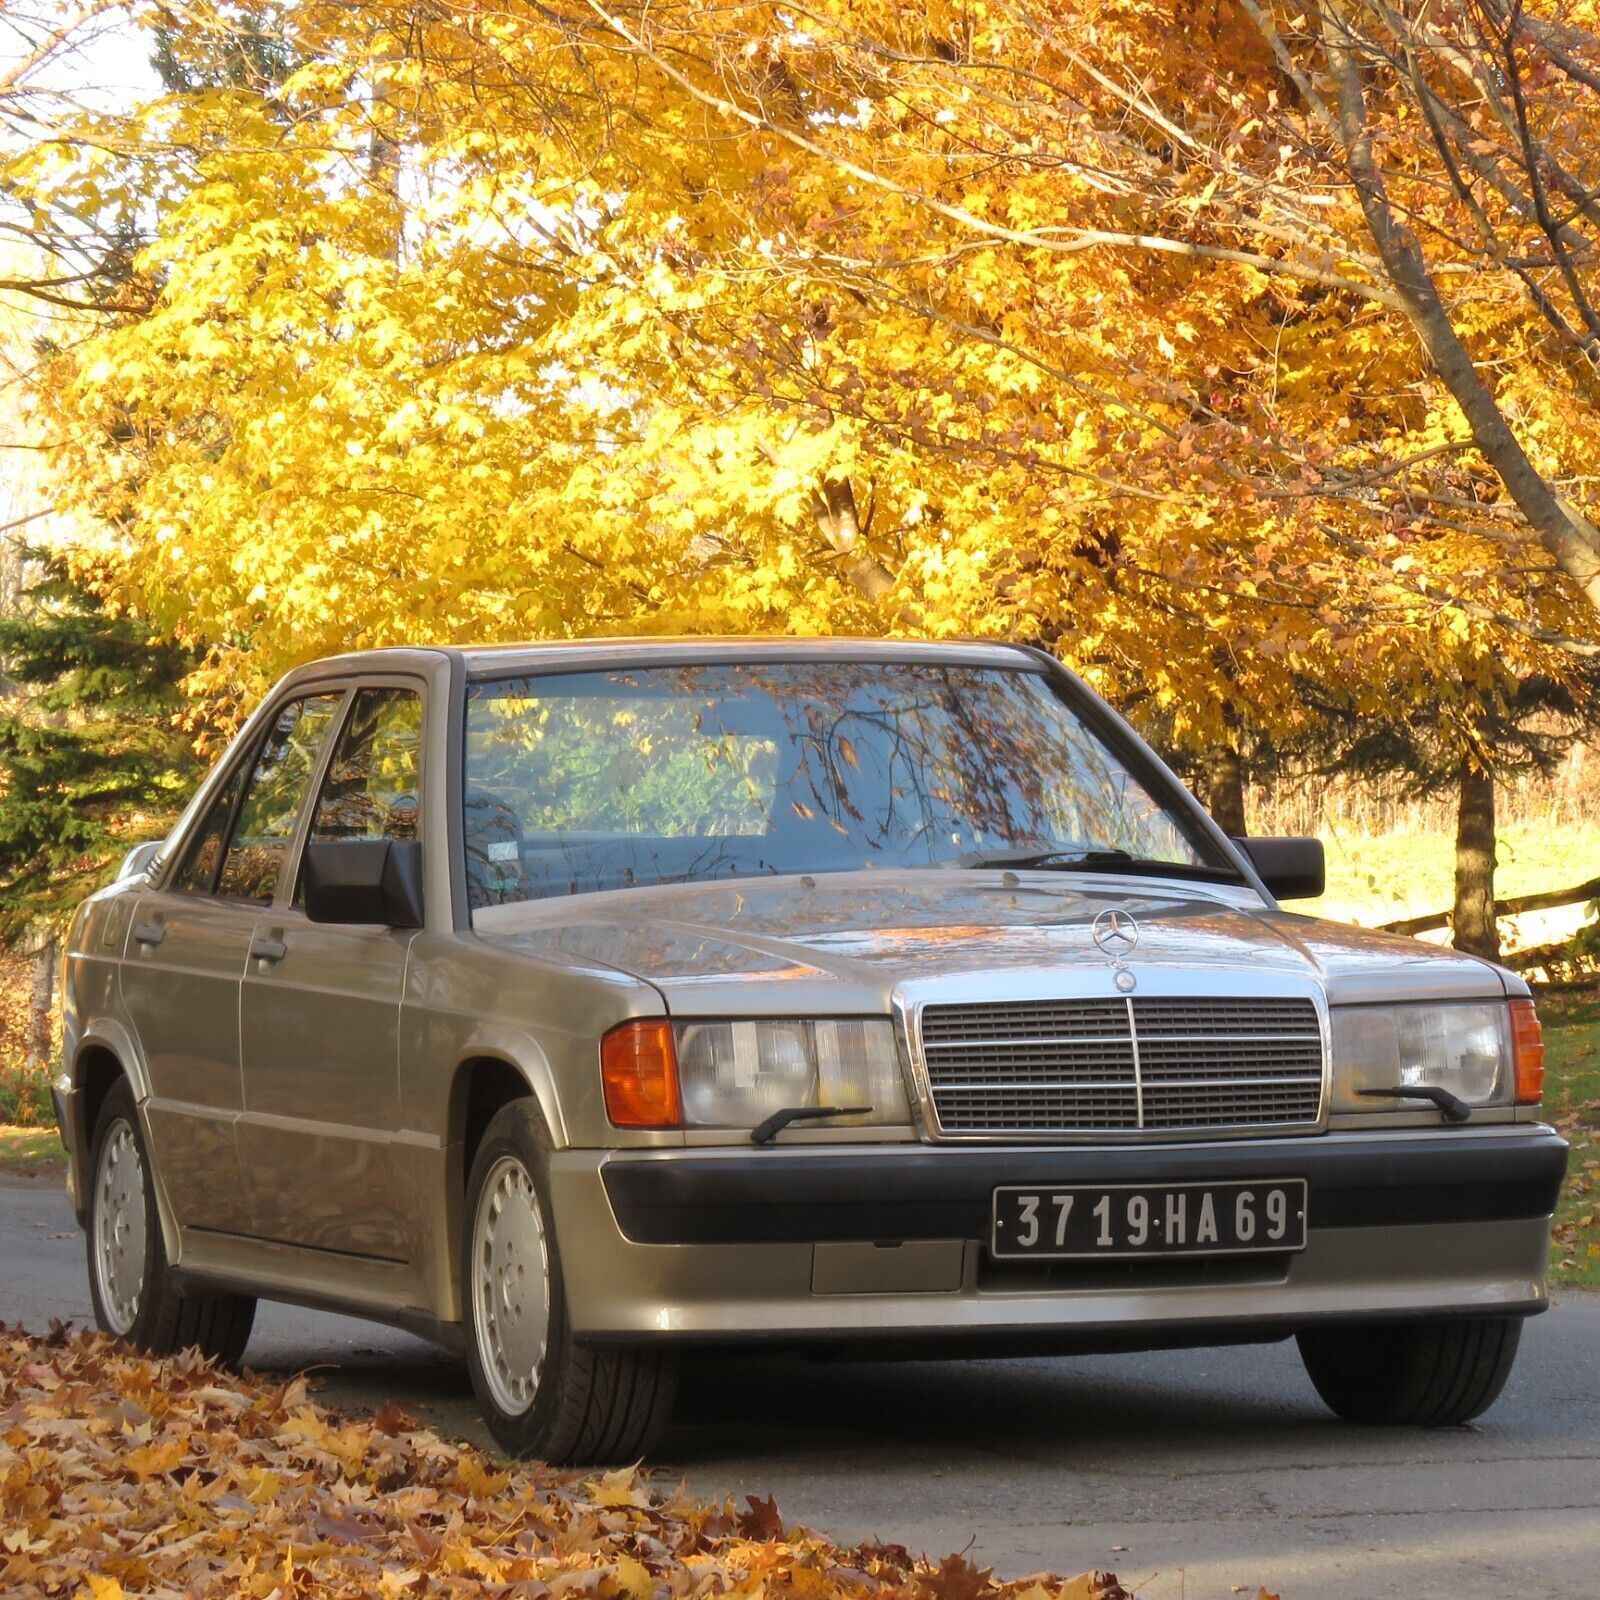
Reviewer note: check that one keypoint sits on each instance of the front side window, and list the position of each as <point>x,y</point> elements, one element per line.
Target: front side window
<point>272,800</point>
<point>597,780</point>
<point>371,788</point>
<point>198,874</point>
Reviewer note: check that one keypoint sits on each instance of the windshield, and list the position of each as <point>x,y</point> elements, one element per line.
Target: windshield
<point>672,774</point>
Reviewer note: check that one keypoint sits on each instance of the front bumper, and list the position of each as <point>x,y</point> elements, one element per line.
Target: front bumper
<point>890,1240</point>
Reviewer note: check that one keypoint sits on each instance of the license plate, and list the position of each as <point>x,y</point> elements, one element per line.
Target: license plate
<point>1149,1219</point>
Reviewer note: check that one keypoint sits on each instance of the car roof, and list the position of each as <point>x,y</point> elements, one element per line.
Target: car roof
<point>597,654</point>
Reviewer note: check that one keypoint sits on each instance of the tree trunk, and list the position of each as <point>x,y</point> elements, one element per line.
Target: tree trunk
<point>41,1009</point>
<point>839,522</point>
<point>1222,772</point>
<point>1476,930</point>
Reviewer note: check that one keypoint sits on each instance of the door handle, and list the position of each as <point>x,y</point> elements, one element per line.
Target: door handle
<point>149,932</point>
<point>263,948</point>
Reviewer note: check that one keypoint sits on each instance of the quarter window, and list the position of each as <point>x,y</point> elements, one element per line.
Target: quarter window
<point>370,791</point>
<point>272,801</point>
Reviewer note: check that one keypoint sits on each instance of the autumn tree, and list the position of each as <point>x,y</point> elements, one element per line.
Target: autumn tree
<point>1362,150</point>
<point>1062,323</point>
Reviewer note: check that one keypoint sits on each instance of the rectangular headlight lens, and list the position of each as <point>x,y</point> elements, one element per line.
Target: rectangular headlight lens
<point>1465,1048</point>
<point>736,1074</point>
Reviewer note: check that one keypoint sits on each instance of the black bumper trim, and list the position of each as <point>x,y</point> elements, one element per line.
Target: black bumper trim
<point>789,1197</point>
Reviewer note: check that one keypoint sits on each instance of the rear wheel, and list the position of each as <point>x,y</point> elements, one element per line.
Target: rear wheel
<point>130,1280</point>
<point>1422,1374</point>
<point>543,1392</point>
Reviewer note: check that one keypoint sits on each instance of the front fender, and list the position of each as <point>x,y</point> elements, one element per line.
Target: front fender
<point>525,1055</point>
<point>440,1225</point>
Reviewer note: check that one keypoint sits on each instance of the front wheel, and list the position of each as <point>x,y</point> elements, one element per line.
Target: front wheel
<point>1418,1374</point>
<point>542,1392</point>
<point>130,1279</point>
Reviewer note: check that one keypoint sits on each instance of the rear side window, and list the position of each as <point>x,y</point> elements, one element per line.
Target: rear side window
<point>371,788</point>
<point>272,801</point>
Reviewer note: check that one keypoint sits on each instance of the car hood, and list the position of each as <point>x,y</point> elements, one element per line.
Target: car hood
<point>846,942</point>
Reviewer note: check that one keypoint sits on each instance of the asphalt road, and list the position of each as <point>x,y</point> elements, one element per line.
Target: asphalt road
<point>1192,1475</point>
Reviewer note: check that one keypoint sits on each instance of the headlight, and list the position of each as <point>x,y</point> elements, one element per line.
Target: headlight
<point>736,1074</point>
<point>1465,1049</point>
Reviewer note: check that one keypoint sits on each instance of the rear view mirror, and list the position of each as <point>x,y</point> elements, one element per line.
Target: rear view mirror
<point>365,880</point>
<point>1292,869</point>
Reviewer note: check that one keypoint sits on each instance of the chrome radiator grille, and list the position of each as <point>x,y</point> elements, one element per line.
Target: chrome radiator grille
<point>1118,1066</point>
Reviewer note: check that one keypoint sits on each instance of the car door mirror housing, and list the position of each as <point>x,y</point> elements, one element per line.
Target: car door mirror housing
<point>364,880</point>
<point>1292,869</point>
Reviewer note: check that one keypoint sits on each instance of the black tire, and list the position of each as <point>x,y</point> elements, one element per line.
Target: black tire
<point>1412,1374</point>
<point>163,1319</point>
<point>590,1404</point>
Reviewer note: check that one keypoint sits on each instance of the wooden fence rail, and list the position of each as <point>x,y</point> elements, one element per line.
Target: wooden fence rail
<point>1549,899</point>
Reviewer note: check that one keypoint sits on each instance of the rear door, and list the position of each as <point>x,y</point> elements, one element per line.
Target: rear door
<point>321,1013</point>
<point>185,959</point>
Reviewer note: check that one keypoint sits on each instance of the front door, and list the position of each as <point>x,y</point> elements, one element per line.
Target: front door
<point>184,962</point>
<point>320,1016</point>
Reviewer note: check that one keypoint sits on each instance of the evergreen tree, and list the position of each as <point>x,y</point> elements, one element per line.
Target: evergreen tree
<point>1517,725</point>
<point>93,759</point>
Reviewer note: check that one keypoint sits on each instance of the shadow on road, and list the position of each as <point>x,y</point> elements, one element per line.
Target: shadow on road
<point>1024,1408</point>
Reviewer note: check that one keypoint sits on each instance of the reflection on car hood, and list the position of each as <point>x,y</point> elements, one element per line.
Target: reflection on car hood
<point>843,942</point>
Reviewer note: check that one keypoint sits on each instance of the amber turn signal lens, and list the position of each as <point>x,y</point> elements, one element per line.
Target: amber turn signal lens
<point>1527,1051</point>
<point>640,1071</point>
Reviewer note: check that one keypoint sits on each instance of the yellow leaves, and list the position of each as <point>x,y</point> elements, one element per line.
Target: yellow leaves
<point>473,1478</point>
<point>631,1580</point>
<point>618,1488</point>
<point>160,1455</point>
<point>564,372</point>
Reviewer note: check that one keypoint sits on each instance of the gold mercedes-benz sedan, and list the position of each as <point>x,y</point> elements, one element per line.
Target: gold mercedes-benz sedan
<point>578,1004</point>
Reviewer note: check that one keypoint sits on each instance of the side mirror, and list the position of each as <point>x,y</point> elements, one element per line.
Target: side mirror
<point>364,880</point>
<point>1293,869</point>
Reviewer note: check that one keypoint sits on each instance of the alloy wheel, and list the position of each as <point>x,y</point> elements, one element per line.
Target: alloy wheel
<point>119,1226</point>
<point>510,1285</point>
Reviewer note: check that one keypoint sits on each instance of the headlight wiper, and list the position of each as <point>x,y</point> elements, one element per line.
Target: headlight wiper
<point>1451,1107</point>
<point>766,1131</point>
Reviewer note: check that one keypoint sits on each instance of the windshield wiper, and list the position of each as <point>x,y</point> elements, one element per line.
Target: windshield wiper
<point>1072,858</point>
<point>1028,856</point>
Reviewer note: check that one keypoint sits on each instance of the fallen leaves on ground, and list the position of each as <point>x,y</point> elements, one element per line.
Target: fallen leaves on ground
<point>123,1476</point>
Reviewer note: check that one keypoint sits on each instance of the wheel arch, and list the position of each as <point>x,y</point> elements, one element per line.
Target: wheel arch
<point>104,1055</point>
<point>489,1074</point>
<point>485,1077</point>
